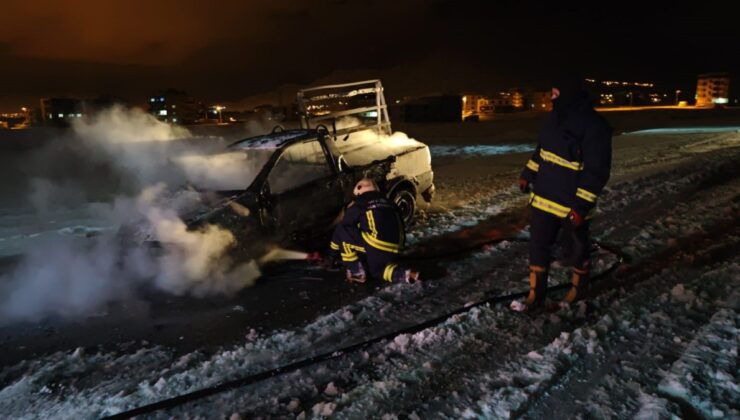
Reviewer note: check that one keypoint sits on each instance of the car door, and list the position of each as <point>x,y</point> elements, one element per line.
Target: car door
<point>306,194</point>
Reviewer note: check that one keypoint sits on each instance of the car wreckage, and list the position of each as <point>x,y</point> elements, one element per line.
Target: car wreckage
<point>306,175</point>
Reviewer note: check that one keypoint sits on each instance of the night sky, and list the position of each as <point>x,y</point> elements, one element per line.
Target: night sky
<point>227,50</point>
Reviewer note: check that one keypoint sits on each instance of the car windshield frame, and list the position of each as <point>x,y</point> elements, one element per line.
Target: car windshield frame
<point>327,162</point>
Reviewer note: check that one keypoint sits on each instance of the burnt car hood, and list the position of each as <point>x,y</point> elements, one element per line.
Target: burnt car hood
<point>197,209</point>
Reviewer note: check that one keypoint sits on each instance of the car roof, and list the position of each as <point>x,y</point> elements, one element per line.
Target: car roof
<point>273,141</point>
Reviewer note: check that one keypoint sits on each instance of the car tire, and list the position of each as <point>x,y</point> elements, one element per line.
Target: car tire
<point>405,200</point>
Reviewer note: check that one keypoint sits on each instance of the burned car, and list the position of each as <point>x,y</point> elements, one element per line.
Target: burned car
<point>305,176</point>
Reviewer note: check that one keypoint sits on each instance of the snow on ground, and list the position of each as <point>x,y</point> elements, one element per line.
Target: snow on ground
<point>689,130</point>
<point>629,353</point>
<point>477,150</point>
<point>704,377</point>
<point>21,230</point>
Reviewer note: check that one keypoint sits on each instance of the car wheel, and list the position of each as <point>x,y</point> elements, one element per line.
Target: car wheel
<point>405,200</point>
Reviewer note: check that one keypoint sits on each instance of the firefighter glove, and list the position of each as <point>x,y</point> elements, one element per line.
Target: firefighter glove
<point>524,185</point>
<point>575,218</point>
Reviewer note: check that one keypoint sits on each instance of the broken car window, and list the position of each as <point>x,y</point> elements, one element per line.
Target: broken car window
<point>298,165</point>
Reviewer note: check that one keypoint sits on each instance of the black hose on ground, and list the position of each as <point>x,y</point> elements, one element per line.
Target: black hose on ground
<point>337,353</point>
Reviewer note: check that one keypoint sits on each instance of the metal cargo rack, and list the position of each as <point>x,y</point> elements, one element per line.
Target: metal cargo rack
<point>363,101</point>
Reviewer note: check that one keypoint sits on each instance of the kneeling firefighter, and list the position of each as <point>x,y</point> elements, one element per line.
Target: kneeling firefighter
<point>371,230</point>
<point>565,175</point>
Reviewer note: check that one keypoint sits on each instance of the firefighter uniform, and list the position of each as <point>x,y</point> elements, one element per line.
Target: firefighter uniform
<point>372,229</point>
<point>567,171</point>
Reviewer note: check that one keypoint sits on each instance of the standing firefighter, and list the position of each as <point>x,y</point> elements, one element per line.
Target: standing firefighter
<point>564,177</point>
<point>371,229</point>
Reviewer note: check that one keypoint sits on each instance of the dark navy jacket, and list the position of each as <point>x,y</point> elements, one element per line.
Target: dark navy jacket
<point>378,220</point>
<point>572,162</point>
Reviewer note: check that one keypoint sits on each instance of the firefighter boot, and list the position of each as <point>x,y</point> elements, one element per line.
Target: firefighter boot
<point>579,285</point>
<point>537,286</point>
<point>356,274</point>
<point>410,276</point>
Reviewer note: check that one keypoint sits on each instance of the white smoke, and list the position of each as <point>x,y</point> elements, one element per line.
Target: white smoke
<point>194,261</point>
<point>75,276</point>
<point>366,145</point>
<point>45,195</point>
<point>65,278</point>
<point>134,142</point>
<point>222,171</point>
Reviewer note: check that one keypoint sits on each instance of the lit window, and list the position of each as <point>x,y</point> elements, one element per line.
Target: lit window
<point>174,120</point>
<point>161,99</point>
<point>71,115</point>
<point>162,112</point>
<point>174,106</point>
<point>79,115</point>
<point>151,99</point>
<point>51,116</point>
<point>61,115</point>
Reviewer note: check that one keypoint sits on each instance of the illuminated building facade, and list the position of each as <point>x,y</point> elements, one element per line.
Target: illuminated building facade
<point>516,96</point>
<point>175,107</point>
<point>476,105</point>
<point>712,89</point>
<point>61,111</point>
<point>621,93</point>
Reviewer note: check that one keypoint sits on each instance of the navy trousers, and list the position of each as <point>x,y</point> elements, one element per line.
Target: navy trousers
<point>544,229</point>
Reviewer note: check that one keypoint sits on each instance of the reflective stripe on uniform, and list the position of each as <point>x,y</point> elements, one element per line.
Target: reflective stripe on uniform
<point>586,195</point>
<point>371,223</point>
<point>349,254</point>
<point>533,165</point>
<point>553,158</point>
<point>548,206</point>
<point>388,272</point>
<point>334,246</point>
<point>355,247</point>
<point>380,244</point>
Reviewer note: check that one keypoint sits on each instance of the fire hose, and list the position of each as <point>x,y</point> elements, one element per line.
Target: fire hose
<point>337,353</point>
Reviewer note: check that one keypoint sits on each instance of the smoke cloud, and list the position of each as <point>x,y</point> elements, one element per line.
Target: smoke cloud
<point>73,275</point>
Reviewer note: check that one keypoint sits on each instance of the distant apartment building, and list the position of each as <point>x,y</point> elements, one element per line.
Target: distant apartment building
<point>484,106</point>
<point>517,97</point>
<point>175,106</point>
<point>712,89</point>
<point>508,101</point>
<point>61,111</point>
<point>18,120</point>
<point>476,106</point>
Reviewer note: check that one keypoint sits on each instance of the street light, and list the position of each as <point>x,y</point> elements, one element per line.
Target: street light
<point>219,109</point>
